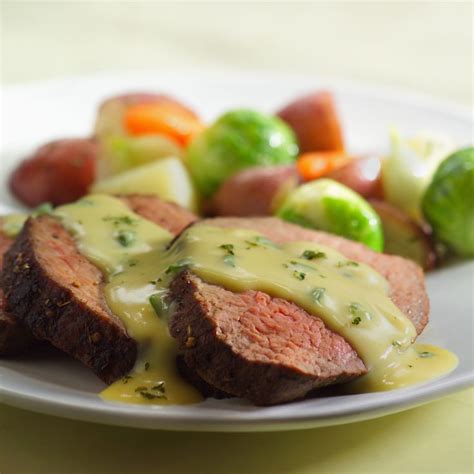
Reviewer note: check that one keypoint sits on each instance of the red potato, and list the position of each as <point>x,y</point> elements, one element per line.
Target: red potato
<point>111,113</point>
<point>363,175</point>
<point>315,122</point>
<point>405,237</point>
<point>58,172</point>
<point>254,191</point>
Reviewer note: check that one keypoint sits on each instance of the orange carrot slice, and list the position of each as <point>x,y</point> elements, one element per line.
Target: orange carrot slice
<point>162,118</point>
<point>320,163</point>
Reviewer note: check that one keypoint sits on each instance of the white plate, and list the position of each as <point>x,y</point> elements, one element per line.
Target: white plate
<point>51,383</point>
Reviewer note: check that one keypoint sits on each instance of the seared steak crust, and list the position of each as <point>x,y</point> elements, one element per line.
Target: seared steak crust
<point>14,338</point>
<point>57,294</point>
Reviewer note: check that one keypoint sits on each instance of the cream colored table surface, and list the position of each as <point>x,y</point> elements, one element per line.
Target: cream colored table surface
<point>422,46</point>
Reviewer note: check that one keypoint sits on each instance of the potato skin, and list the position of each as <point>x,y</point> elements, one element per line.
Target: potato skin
<point>315,122</point>
<point>362,175</point>
<point>58,172</point>
<point>253,192</point>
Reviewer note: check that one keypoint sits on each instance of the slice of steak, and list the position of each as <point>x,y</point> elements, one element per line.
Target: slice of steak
<point>58,294</point>
<point>269,350</point>
<point>14,338</point>
<point>253,346</point>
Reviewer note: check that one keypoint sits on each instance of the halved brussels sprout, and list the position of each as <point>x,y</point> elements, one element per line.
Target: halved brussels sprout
<point>327,205</point>
<point>237,140</point>
<point>448,203</point>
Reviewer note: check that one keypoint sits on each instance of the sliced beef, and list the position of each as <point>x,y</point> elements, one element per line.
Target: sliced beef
<point>253,346</point>
<point>269,350</point>
<point>169,215</point>
<point>58,294</point>
<point>14,338</point>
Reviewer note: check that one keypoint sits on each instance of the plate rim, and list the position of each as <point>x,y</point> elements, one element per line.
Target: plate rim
<point>397,401</point>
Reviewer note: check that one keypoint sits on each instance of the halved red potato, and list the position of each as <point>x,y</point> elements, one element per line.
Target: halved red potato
<point>253,192</point>
<point>404,237</point>
<point>362,175</point>
<point>58,172</point>
<point>315,121</point>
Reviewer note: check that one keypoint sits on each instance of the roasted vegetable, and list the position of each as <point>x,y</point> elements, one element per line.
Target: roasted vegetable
<point>168,119</point>
<point>135,129</point>
<point>404,237</point>
<point>120,153</point>
<point>111,118</point>
<point>327,205</point>
<point>362,175</point>
<point>448,203</point>
<point>58,172</point>
<point>317,164</point>
<point>408,170</point>
<point>315,122</point>
<point>166,178</point>
<point>239,139</point>
<point>254,191</point>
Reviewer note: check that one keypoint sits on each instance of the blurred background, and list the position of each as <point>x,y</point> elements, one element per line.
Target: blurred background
<point>422,46</point>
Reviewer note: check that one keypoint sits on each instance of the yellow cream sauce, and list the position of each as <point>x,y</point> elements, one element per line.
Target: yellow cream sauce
<point>12,224</point>
<point>350,297</point>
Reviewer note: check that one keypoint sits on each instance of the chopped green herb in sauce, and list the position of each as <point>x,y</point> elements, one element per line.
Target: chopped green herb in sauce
<point>312,254</point>
<point>261,241</point>
<point>425,354</point>
<point>152,396</point>
<point>159,303</point>
<point>118,220</point>
<point>347,263</point>
<point>317,294</point>
<point>359,313</point>
<point>228,247</point>
<point>230,260</point>
<point>299,275</point>
<point>125,238</point>
<point>157,391</point>
<point>179,265</point>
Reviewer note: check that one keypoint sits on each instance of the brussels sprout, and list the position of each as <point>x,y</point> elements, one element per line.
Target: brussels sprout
<point>327,205</point>
<point>408,169</point>
<point>237,140</point>
<point>448,203</point>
